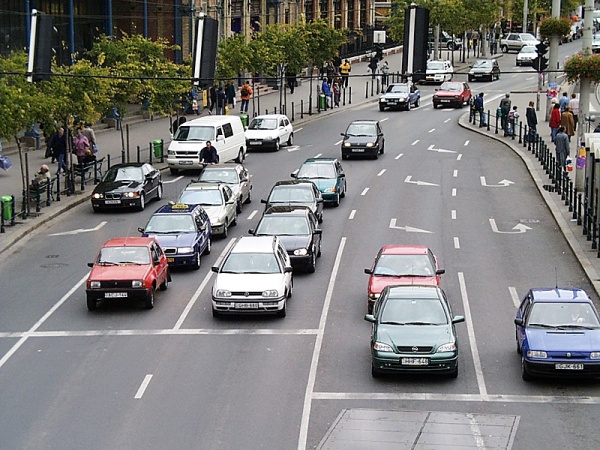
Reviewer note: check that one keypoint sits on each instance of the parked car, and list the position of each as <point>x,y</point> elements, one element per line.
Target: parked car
<point>484,69</point>
<point>327,174</point>
<point>254,277</point>
<point>298,230</point>
<point>269,131</point>
<point>218,201</point>
<point>526,56</point>
<point>401,264</point>
<point>363,138</point>
<point>596,43</point>
<point>233,175</point>
<point>400,95</point>
<point>183,232</point>
<point>296,193</point>
<point>128,185</point>
<point>439,71</point>
<point>558,334</point>
<point>127,268</point>
<point>452,93</point>
<point>516,41</point>
<point>413,332</point>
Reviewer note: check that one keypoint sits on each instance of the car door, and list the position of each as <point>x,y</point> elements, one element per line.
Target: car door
<point>242,175</point>
<point>314,226</point>
<point>159,264</point>
<point>340,184</point>
<point>202,234</point>
<point>318,200</point>
<point>380,137</point>
<point>523,313</point>
<point>230,206</point>
<point>285,261</point>
<point>150,183</point>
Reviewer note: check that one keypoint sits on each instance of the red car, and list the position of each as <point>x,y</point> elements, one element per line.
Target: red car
<point>452,93</point>
<point>402,264</point>
<point>127,268</point>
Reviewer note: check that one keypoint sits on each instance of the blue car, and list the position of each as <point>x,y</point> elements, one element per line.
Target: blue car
<point>327,174</point>
<point>183,232</point>
<point>558,334</point>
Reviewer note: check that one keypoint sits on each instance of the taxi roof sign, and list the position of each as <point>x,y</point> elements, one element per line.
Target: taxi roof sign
<point>183,206</point>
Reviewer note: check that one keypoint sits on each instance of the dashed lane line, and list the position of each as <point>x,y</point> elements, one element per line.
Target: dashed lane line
<point>140,392</point>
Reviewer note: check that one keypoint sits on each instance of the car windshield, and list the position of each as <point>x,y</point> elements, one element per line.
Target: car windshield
<point>283,226</point>
<point>171,223</point>
<point>528,37</point>
<point>206,197</point>
<point>451,87</point>
<point>364,129</point>
<point>435,65</point>
<point>296,194</point>
<point>316,171</point>
<point>123,255</point>
<point>396,88</point>
<point>251,263</point>
<point>482,63</point>
<point>219,175</point>
<point>562,314</point>
<point>404,265</point>
<point>403,311</point>
<point>263,124</point>
<point>124,174</point>
<point>187,133</point>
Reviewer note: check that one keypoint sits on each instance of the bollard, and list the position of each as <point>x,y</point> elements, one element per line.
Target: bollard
<point>82,178</point>
<point>58,187</point>
<point>302,109</point>
<point>150,147</point>
<point>123,156</point>
<point>367,90</point>
<point>292,118</point>
<point>108,160</point>
<point>372,85</point>
<point>13,208</point>
<point>138,150</point>
<point>520,132</point>
<point>350,95</point>
<point>162,153</point>
<point>577,213</point>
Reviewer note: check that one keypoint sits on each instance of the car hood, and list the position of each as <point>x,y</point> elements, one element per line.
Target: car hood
<point>214,212</point>
<point>480,69</point>
<point>124,272</point>
<point>292,243</point>
<point>118,186</point>
<point>174,240</point>
<point>322,183</point>
<point>377,283</point>
<point>526,55</point>
<point>415,335</point>
<point>360,140</point>
<point>563,340</point>
<point>395,96</point>
<point>441,93</point>
<point>248,281</point>
<point>260,134</point>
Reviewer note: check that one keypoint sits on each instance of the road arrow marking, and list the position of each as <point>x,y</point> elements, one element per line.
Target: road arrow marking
<point>439,150</point>
<point>520,228</point>
<point>502,183</point>
<point>80,230</point>
<point>408,179</point>
<point>407,228</point>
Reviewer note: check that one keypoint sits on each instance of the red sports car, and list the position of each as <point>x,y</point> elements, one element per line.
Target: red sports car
<point>127,268</point>
<point>452,93</point>
<point>402,264</point>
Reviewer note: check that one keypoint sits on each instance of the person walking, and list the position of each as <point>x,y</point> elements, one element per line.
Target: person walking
<point>230,92</point>
<point>291,81</point>
<point>531,117</point>
<point>221,101</point>
<point>385,70</point>
<point>80,144</point>
<point>564,102</point>
<point>345,69</point>
<point>555,119</point>
<point>479,108</point>
<point>505,105</point>
<point>561,141</point>
<point>245,93</point>
<point>326,90</point>
<point>373,66</point>
<point>574,104</point>
<point>58,146</point>
<point>89,133</point>
<point>212,98</point>
<point>568,122</point>
<point>513,120</point>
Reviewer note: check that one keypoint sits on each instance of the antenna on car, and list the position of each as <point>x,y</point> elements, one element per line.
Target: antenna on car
<point>556,277</point>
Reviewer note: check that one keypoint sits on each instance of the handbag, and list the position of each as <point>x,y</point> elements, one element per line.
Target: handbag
<point>95,148</point>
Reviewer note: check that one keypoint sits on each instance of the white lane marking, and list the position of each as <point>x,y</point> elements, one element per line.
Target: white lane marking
<point>455,173</point>
<point>467,142</point>
<point>352,213</point>
<point>501,183</point>
<point>453,192</point>
<point>456,243</point>
<point>338,142</point>
<point>432,130</point>
<point>453,214</point>
<point>476,431</point>
<point>196,295</point>
<point>447,120</point>
<point>318,155</point>
<point>439,150</point>
<point>408,179</point>
<point>514,75</point>
<point>471,333</point>
<point>293,148</point>
<point>175,180</point>
<point>364,192</point>
<point>252,214</point>
<point>416,142</point>
<point>459,157</point>
<point>514,296</point>
<point>143,386</point>
<point>298,129</point>
<point>381,173</point>
<point>39,323</point>
<point>530,78</point>
<point>312,374</point>
<point>399,156</point>
<point>80,230</point>
<point>406,228</point>
<point>163,332</point>
<point>384,119</point>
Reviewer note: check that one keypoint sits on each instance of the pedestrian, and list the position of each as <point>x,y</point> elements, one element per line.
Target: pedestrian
<point>326,90</point>
<point>80,144</point>
<point>245,93</point>
<point>479,108</point>
<point>58,146</point>
<point>373,66</point>
<point>567,122</point>
<point>212,98</point>
<point>385,70</point>
<point>531,117</point>
<point>574,104</point>
<point>337,61</point>
<point>331,70</point>
<point>336,94</point>
<point>230,92</point>
<point>513,120</point>
<point>345,70</point>
<point>505,105</point>
<point>564,102</point>
<point>221,101</point>
<point>291,81</point>
<point>561,141</point>
<point>208,155</point>
<point>554,121</point>
<point>89,133</point>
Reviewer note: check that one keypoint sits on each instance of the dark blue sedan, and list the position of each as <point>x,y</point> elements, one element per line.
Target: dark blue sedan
<point>558,334</point>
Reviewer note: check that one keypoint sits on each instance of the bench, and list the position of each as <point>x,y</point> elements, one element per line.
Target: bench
<point>37,191</point>
<point>85,171</point>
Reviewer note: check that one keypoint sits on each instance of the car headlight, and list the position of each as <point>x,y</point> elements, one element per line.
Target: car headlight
<point>329,189</point>
<point>471,72</point>
<point>222,293</point>
<point>347,144</point>
<point>171,152</point>
<point>449,347</point>
<point>456,97</point>
<point>270,293</point>
<point>185,250</point>
<point>94,284</point>
<point>131,194</point>
<point>301,252</point>
<point>98,195</point>
<point>381,347</point>
<point>137,283</point>
<point>595,355</point>
<point>537,354</point>
<point>370,144</point>
<point>374,296</point>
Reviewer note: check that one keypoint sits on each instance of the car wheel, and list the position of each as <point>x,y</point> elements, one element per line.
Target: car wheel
<point>142,204</point>
<point>173,171</point>
<point>435,105</point>
<point>319,250</point>
<point>159,192</point>
<point>249,199</point>
<point>165,284</point>
<point>92,304</point>
<point>290,292</point>
<point>225,230</point>
<point>234,220</point>
<point>312,265</point>
<point>504,48</point>
<point>381,108</point>
<point>343,193</point>
<point>282,312</point>
<point>197,261</point>
<point>149,302</point>
<point>240,157</point>
<point>418,102</point>
<point>320,218</point>
<point>238,206</point>
<point>290,140</point>
<point>375,373</point>
<point>454,373</point>
<point>408,105</point>
<point>525,375</point>
<point>519,351</point>
<point>336,203</point>
<point>277,145</point>
<point>208,247</point>
<point>382,148</point>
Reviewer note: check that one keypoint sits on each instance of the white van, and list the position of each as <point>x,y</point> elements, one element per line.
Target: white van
<point>226,134</point>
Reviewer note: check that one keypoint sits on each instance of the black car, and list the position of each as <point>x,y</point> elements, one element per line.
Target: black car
<point>298,231</point>
<point>363,138</point>
<point>296,193</point>
<point>484,69</point>
<point>127,186</point>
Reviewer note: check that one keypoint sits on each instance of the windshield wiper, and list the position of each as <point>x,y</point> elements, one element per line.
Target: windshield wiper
<point>108,263</point>
<point>392,323</point>
<point>576,325</point>
<point>541,325</point>
<point>131,262</point>
<point>419,323</point>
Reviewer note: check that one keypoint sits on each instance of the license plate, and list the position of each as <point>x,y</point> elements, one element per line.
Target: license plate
<point>246,306</point>
<point>115,295</point>
<point>569,366</point>
<point>186,163</point>
<point>445,101</point>
<point>255,142</point>
<point>358,150</point>
<point>170,260</point>
<point>112,202</point>
<point>415,361</point>
<point>392,102</point>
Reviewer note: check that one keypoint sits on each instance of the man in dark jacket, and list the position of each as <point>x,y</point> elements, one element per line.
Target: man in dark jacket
<point>478,104</point>
<point>505,105</point>
<point>58,145</point>
<point>208,155</point>
<point>221,100</point>
<point>531,117</point>
<point>212,98</point>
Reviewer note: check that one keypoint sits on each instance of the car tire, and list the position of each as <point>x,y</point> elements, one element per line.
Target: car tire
<point>165,284</point>
<point>225,230</point>
<point>435,106</point>
<point>343,193</point>
<point>92,304</point>
<point>277,145</point>
<point>234,221</point>
<point>418,102</point>
<point>375,373</point>
<point>159,192</point>
<point>382,148</point>
<point>208,247</point>
<point>149,302</point>
<point>453,373</point>
<point>240,157</point>
<point>525,375</point>
<point>504,48</point>
<point>173,171</point>
<point>313,263</point>
<point>381,108</point>
<point>336,203</point>
<point>319,250</point>
<point>197,261</point>
<point>249,199</point>
<point>320,218</point>
<point>282,312</point>
<point>142,204</point>
<point>238,206</point>
<point>408,105</point>
<point>291,291</point>
<point>290,140</point>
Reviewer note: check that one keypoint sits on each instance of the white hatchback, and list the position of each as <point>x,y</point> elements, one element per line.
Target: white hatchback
<point>269,131</point>
<point>439,71</point>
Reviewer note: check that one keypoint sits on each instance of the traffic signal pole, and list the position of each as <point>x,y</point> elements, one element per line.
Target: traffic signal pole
<point>553,63</point>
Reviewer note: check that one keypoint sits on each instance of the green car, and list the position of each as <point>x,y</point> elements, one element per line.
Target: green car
<point>327,174</point>
<point>413,332</point>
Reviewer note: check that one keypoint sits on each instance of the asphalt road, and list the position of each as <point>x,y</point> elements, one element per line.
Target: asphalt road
<point>174,377</point>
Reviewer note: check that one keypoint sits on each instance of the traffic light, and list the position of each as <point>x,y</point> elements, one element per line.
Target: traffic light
<point>540,63</point>
<point>40,47</point>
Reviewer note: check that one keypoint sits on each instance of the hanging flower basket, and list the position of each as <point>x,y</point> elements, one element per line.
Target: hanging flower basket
<point>551,26</point>
<point>583,66</point>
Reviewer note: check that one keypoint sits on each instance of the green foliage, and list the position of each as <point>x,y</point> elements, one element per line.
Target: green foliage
<point>232,57</point>
<point>554,27</point>
<point>583,66</point>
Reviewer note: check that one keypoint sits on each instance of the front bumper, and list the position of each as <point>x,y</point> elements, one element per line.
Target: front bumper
<point>394,104</point>
<point>446,101</point>
<point>359,151</point>
<point>247,305</point>
<point>126,202</point>
<point>181,260</point>
<point>330,197</point>
<point>548,368</point>
<point>260,143</point>
<point>117,294</point>
<point>183,163</point>
<point>392,362</point>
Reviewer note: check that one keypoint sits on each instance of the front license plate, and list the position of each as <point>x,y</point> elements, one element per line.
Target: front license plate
<point>170,260</point>
<point>246,306</point>
<point>255,142</point>
<point>415,361</point>
<point>392,102</point>
<point>186,163</point>
<point>569,366</point>
<point>358,150</point>
<point>445,101</point>
<point>112,202</point>
<point>115,295</point>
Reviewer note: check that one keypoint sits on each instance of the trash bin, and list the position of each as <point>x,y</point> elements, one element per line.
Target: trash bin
<point>322,102</point>
<point>244,119</point>
<point>6,207</point>
<point>35,134</point>
<point>158,148</point>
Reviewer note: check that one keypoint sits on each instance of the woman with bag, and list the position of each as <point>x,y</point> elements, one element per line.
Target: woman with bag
<point>80,144</point>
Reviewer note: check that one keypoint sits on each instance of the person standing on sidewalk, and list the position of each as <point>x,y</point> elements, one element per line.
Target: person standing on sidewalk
<point>531,117</point>
<point>230,91</point>
<point>505,104</point>
<point>58,146</point>
<point>345,70</point>
<point>245,93</point>
<point>564,102</point>
<point>567,122</point>
<point>554,121</point>
<point>574,104</point>
<point>212,99</point>
<point>479,108</point>
<point>221,101</point>
<point>385,70</point>
<point>80,144</point>
<point>561,141</point>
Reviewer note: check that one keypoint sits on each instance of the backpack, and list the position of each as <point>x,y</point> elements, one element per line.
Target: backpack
<point>244,91</point>
<point>511,116</point>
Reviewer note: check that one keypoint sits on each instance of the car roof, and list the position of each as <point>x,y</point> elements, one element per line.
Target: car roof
<point>225,165</point>
<point>404,250</point>
<point>560,295</point>
<point>210,120</point>
<point>200,185</point>
<point>319,160</point>
<point>292,183</point>
<point>370,121</point>
<point>133,164</point>
<point>129,242</point>
<point>270,116</point>
<point>176,208</point>
<point>287,210</point>
<point>255,244</point>
<point>413,291</point>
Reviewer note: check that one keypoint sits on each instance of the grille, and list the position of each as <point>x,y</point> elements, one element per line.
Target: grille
<point>249,293</point>
<point>112,196</point>
<point>116,284</point>
<point>409,349</point>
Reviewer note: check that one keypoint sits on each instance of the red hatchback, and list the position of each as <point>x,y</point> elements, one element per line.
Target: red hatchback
<point>127,268</point>
<point>402,264</point>
<point>452,93</point>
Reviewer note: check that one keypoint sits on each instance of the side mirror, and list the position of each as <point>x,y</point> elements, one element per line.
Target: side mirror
<point>320,200</point>
<point>369,271</point>
<point>215,269</point>
<point>318,231</point>
<point>294,174</point>
<point>458,319</point>
<point>262,200</point>
<point>141,230</point>
<point>343,134</point>
<point>251,231</point>
<point>440,271</point>
<point>90,264</point>
<point>220,137</point>
<point>370,318</point>
<point>288,269</point>
<point>519,322</point>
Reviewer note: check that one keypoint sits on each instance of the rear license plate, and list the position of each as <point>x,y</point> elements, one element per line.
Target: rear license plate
<point>415,361</point>
<point>246,306</point>
<point>568,366</point>
<point>186,163</point>
<point>112,202</point>
<point>358,150</point>
<point>255,142</point>
<point>170,260</point>
<point>115,295</point>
